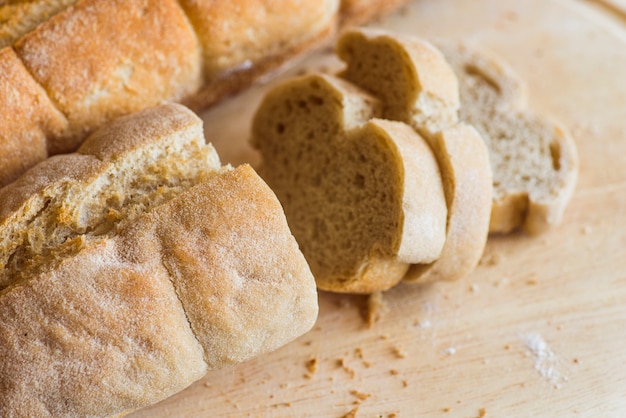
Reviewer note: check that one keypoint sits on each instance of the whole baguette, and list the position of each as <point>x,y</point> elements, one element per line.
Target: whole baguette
<point>131,268</point>
<point>94,67</point>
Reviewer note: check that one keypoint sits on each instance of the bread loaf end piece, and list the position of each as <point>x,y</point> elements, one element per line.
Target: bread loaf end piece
<point>95,67</point>
<point>135,266</point>
<point>358,199</point>
<point>27,117</point>
<point>464,162</point>
<point>244,284</point>
<point>533,158</point>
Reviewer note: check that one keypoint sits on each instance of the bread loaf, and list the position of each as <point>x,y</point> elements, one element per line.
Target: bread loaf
<point>99,59</point>
<point>135,265</point>
<point>363,196</point>
<point>534,158</point>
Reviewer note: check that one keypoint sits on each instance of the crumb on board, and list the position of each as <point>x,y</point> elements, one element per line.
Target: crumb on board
<point>394,372</point>
<point>358,352</point>
<point>377,308</point>
<point>311,365</point>
<point>398,351</point>
<point>352,413</point>
<point>482,413</point>
<point>285,404</point>
<point>446,409</point>
<point>490,258</point>
<point>342,364</point>
<point>360,395</point>
<point>405,383</point>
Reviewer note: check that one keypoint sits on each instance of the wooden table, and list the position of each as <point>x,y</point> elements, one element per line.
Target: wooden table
<point>539,329</point>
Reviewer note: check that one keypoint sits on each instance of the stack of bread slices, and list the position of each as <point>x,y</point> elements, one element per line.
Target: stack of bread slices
<point>398,167</point>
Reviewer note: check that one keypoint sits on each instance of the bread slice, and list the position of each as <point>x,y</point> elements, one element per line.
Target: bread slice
<point>362,196</point>
<point>137,264</point>
<point>534,159</point>
<point>95,67</point>
<point>464,163</point>
<point>418,87</point>
<point>409,75</point>
<point>27,117</point>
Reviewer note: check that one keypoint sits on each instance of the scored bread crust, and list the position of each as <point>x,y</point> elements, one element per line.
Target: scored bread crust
<point>95,68</point>
<point>127,316</point>
<point>534,158</point>
<point>93,77</point>
<point>27,118</point>
<point>304,129</point>
<point>464,163</point>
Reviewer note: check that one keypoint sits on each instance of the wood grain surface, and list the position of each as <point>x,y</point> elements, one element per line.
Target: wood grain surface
<point>539,329</point>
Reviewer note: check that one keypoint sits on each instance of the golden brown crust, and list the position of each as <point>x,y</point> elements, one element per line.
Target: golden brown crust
<point>238,34</point>
<point>27,117</point>
<point>95,67</point>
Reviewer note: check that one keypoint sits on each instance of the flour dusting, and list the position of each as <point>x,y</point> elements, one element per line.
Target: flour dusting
<point>546,361</point>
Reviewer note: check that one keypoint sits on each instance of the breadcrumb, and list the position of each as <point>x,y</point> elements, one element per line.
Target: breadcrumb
<point>399,352</point>
<point>377,308</point>
<point>360,395</point>
<point>352,413</point>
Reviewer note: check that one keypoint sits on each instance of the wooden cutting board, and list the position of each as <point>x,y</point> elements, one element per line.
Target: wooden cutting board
<point>539,329</point>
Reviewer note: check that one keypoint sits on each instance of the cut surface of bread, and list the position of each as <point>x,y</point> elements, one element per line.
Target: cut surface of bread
<point>409,75</point>
<point>533,158</point>
<point>362,196</point>
<point>136,265</point>
<point>464,163</point>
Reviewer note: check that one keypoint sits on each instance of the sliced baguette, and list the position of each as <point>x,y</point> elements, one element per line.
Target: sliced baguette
<point>137,264</point>
<point>533,158</point>
<point>362,196</point>
<point>420,88</point>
